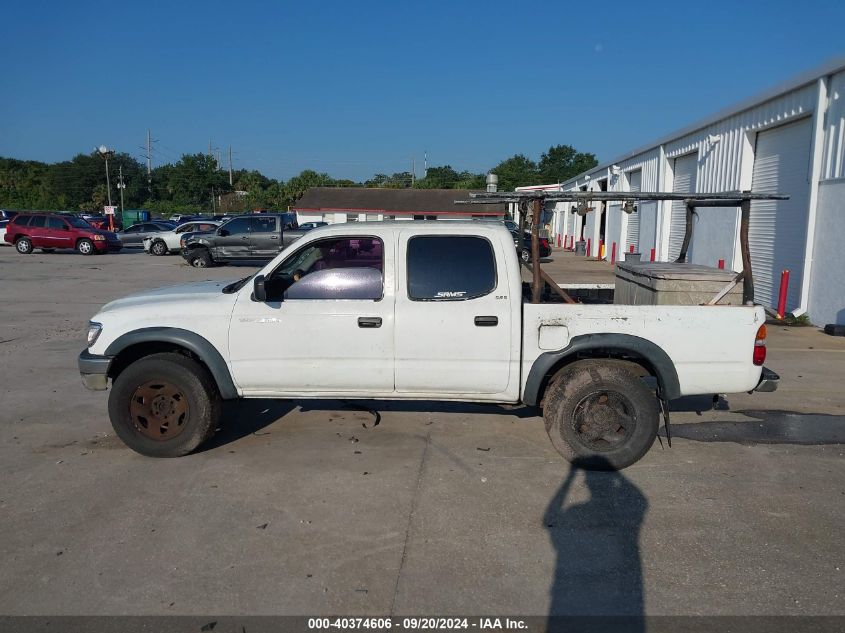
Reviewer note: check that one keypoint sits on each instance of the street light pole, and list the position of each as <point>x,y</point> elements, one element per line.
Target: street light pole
<point>108,184</point>
<point>105,152</point>
<point>121,186</point>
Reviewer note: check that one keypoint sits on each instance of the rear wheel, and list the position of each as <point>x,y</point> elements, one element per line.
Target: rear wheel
<point>600,415</point>
<point>24,245</point>
<point>158,248</point>
<point>525,255</point>
<point>85,246</point>
<point>164,405</point>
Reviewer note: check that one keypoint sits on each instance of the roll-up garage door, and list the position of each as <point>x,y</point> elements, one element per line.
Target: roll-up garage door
<point>778,229</point>
<point>683,182</point>
<point>635,179</point>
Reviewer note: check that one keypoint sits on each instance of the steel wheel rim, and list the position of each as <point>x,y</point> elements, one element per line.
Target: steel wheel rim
<point>159,410</point>
<point>604,420</point>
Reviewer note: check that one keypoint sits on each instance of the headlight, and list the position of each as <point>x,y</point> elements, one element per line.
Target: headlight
<point>99,238</point>
<point>94,330</point>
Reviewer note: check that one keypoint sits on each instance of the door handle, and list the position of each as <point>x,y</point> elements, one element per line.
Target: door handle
<point>245,237</point>
<point>369,321</point>
<point>487,321</point>
<point>274,237</point>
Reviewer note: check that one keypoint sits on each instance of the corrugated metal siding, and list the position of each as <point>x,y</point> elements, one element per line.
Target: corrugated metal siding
<point>633,232</point>
<point>833,165</point>
<point>684,181</point>
<point>777,231</point>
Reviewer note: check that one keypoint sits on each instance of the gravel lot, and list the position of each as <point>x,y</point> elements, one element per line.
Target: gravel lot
<point>308,508</point>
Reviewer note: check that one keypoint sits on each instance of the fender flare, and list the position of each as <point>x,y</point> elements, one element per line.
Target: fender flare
<point>191,341</point>
<point>664,368</point>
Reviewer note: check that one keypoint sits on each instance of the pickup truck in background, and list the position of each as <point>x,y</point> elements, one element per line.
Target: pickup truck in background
<point>415,311</point>
<point>259,236</point>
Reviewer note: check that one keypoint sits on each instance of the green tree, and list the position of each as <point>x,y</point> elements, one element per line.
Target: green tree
<point>516,171</point>
<point>563,162</point>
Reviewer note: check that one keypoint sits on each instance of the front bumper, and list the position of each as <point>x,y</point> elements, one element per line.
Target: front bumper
<point>768,381</point>
<point>94,370</point>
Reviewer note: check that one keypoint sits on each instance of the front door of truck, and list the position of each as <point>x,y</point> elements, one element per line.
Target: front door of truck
<point>453,316</point>
<point>232,239</point>
<point>58,233</point>
<point>326,326</point>
<point>264,237</point>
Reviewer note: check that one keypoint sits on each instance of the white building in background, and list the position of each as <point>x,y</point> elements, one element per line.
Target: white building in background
<point>789,140</point>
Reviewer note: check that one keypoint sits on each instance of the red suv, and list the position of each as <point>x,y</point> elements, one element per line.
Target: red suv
<point>49,231</point>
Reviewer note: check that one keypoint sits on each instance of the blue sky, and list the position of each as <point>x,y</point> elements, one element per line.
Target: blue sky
<point>355,88</point>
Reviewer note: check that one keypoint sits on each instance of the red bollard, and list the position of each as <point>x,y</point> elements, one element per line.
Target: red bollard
<point>632,248</point>
<point>613,253</point>
<point>652,254</point>
<point>558,240</point>
<point>589,251</point>
<point>722,264</point>
<point>784,286</point>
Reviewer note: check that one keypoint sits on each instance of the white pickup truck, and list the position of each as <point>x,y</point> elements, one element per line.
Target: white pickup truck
<point>415,311</point>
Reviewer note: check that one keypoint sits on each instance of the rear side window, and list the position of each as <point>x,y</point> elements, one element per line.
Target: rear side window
<point>37,221</point>
<point>450,268</point>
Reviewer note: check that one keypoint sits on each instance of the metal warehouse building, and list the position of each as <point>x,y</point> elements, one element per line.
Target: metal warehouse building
<point>790,140</point>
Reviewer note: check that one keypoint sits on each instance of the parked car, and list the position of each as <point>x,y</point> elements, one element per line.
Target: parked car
<point>168,241</point>
<point>134,235</point>
<point>418,311</point>
<point>258,236</point>
<point>53,231</point>
<point>311,225</point>
<point>3,224</point>
<point>524,249</point>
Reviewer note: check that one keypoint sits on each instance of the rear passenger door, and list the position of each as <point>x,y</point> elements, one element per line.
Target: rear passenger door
<point>37,231</point>
<point>453,316</point>
<point>264,236</point>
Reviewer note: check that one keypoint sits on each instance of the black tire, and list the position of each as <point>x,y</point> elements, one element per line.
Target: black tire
<point>23,245</point>
<point>158,248</point>
<point>600,415</point>
<point>525,255</point>
<point>85,247</point>
<point>160,432</point>
<point>201,258</point>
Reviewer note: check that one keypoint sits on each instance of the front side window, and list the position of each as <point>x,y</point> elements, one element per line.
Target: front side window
<point>238,226</point>
<point>56,224</point>
<point>324,255</point>
<point>450,268</point>
<point>186,227</point>
<point>78,223</point>
<point>136,228</point>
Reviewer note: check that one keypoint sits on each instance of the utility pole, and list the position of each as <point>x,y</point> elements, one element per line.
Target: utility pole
<point>413,171</point>
<point>121,186</point>
<point>230,165</point>
<point>150,163</point>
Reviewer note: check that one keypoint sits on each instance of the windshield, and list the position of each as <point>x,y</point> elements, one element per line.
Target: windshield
<point>234,287</point>
<point>78,223</point>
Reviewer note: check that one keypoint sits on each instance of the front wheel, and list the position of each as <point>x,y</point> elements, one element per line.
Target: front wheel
<point>164,405</point>
<point>201,259</point>
<point>24,246</point>
<point>600,415</point>
<point>525,255</point>
<point>85,246</point>
<point>158,248</point>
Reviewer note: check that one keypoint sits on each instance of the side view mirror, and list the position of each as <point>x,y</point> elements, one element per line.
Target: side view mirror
<point>222,232</point>
<point>259,292</point>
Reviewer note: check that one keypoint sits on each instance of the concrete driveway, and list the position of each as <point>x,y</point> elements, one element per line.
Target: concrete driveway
<point>312,508</point>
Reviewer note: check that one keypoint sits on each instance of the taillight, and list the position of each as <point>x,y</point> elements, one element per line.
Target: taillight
<point>760,346</point>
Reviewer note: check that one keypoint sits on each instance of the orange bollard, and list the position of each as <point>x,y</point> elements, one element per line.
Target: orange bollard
<point>784,286</point>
